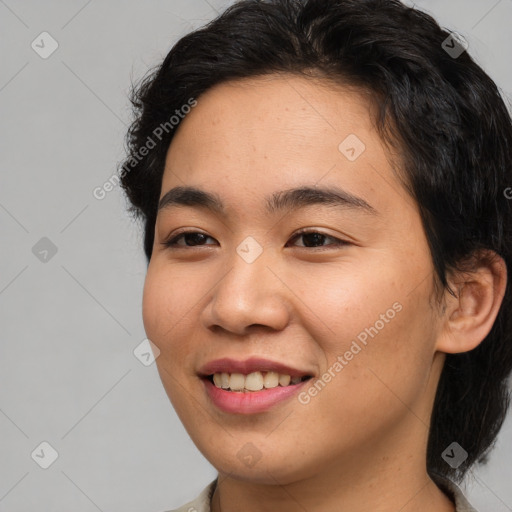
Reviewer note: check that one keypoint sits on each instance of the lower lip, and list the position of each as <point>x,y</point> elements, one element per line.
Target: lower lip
<point>250,402</point>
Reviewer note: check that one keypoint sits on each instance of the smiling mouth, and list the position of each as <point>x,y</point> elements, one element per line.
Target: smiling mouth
<point>254,381</point>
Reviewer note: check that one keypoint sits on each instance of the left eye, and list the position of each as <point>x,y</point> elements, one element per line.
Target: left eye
<point>311,239</point>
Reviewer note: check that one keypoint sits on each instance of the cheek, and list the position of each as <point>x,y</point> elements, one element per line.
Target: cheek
<point>155,302</point>
<point>164,311</point>
<point>348,300</point>
<point>384,360</point>
<point>375,327</point>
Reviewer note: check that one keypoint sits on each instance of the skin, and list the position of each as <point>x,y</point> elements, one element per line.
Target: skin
<point>360,443</point>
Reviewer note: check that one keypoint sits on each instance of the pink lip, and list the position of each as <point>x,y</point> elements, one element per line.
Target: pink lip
<point>250,402</point>
<point>253,364</point>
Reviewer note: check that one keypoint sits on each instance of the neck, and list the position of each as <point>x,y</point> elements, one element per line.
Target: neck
<point>415,495</point>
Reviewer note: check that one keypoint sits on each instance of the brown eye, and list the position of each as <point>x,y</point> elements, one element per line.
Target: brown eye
<point>192,239</point>
<point>314,239</point>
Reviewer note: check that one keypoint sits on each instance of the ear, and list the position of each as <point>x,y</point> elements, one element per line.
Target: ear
<point>468,318</point>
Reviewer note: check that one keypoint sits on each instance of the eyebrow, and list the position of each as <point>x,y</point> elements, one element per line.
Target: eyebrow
<point>285,200</point>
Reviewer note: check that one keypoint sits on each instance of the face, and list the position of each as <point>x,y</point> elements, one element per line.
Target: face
<point>344,308</point>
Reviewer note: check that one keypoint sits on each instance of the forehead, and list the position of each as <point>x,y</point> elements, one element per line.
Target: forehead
<point>254,110</point>
<point>248,138</point>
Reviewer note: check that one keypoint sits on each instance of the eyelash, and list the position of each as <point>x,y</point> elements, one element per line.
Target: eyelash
<point>171,243</point>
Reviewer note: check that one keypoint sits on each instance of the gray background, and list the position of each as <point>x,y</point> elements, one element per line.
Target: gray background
<point>71,320</point>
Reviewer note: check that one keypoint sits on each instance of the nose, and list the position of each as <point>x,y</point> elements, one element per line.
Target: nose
<point>249,296</point>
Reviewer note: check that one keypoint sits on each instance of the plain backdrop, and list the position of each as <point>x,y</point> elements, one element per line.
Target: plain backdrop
<point>72,267</point>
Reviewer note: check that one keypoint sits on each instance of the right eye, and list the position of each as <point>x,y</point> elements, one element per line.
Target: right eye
<point>194,237</point>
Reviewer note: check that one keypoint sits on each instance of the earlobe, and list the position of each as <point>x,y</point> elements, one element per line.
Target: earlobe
<point>470,315</point>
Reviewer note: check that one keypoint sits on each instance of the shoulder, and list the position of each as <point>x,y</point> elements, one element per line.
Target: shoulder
<point>201,503</point>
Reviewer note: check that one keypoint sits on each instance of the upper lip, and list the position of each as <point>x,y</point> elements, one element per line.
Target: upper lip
<point>253,364</point>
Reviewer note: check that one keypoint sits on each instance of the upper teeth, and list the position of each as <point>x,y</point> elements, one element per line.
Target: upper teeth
<point>255,381</point>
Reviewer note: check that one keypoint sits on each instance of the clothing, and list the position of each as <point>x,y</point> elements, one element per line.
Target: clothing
<point>456,495</point>
<point>202,502</point>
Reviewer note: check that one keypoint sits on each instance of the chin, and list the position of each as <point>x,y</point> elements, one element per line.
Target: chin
<point>266,466</point>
